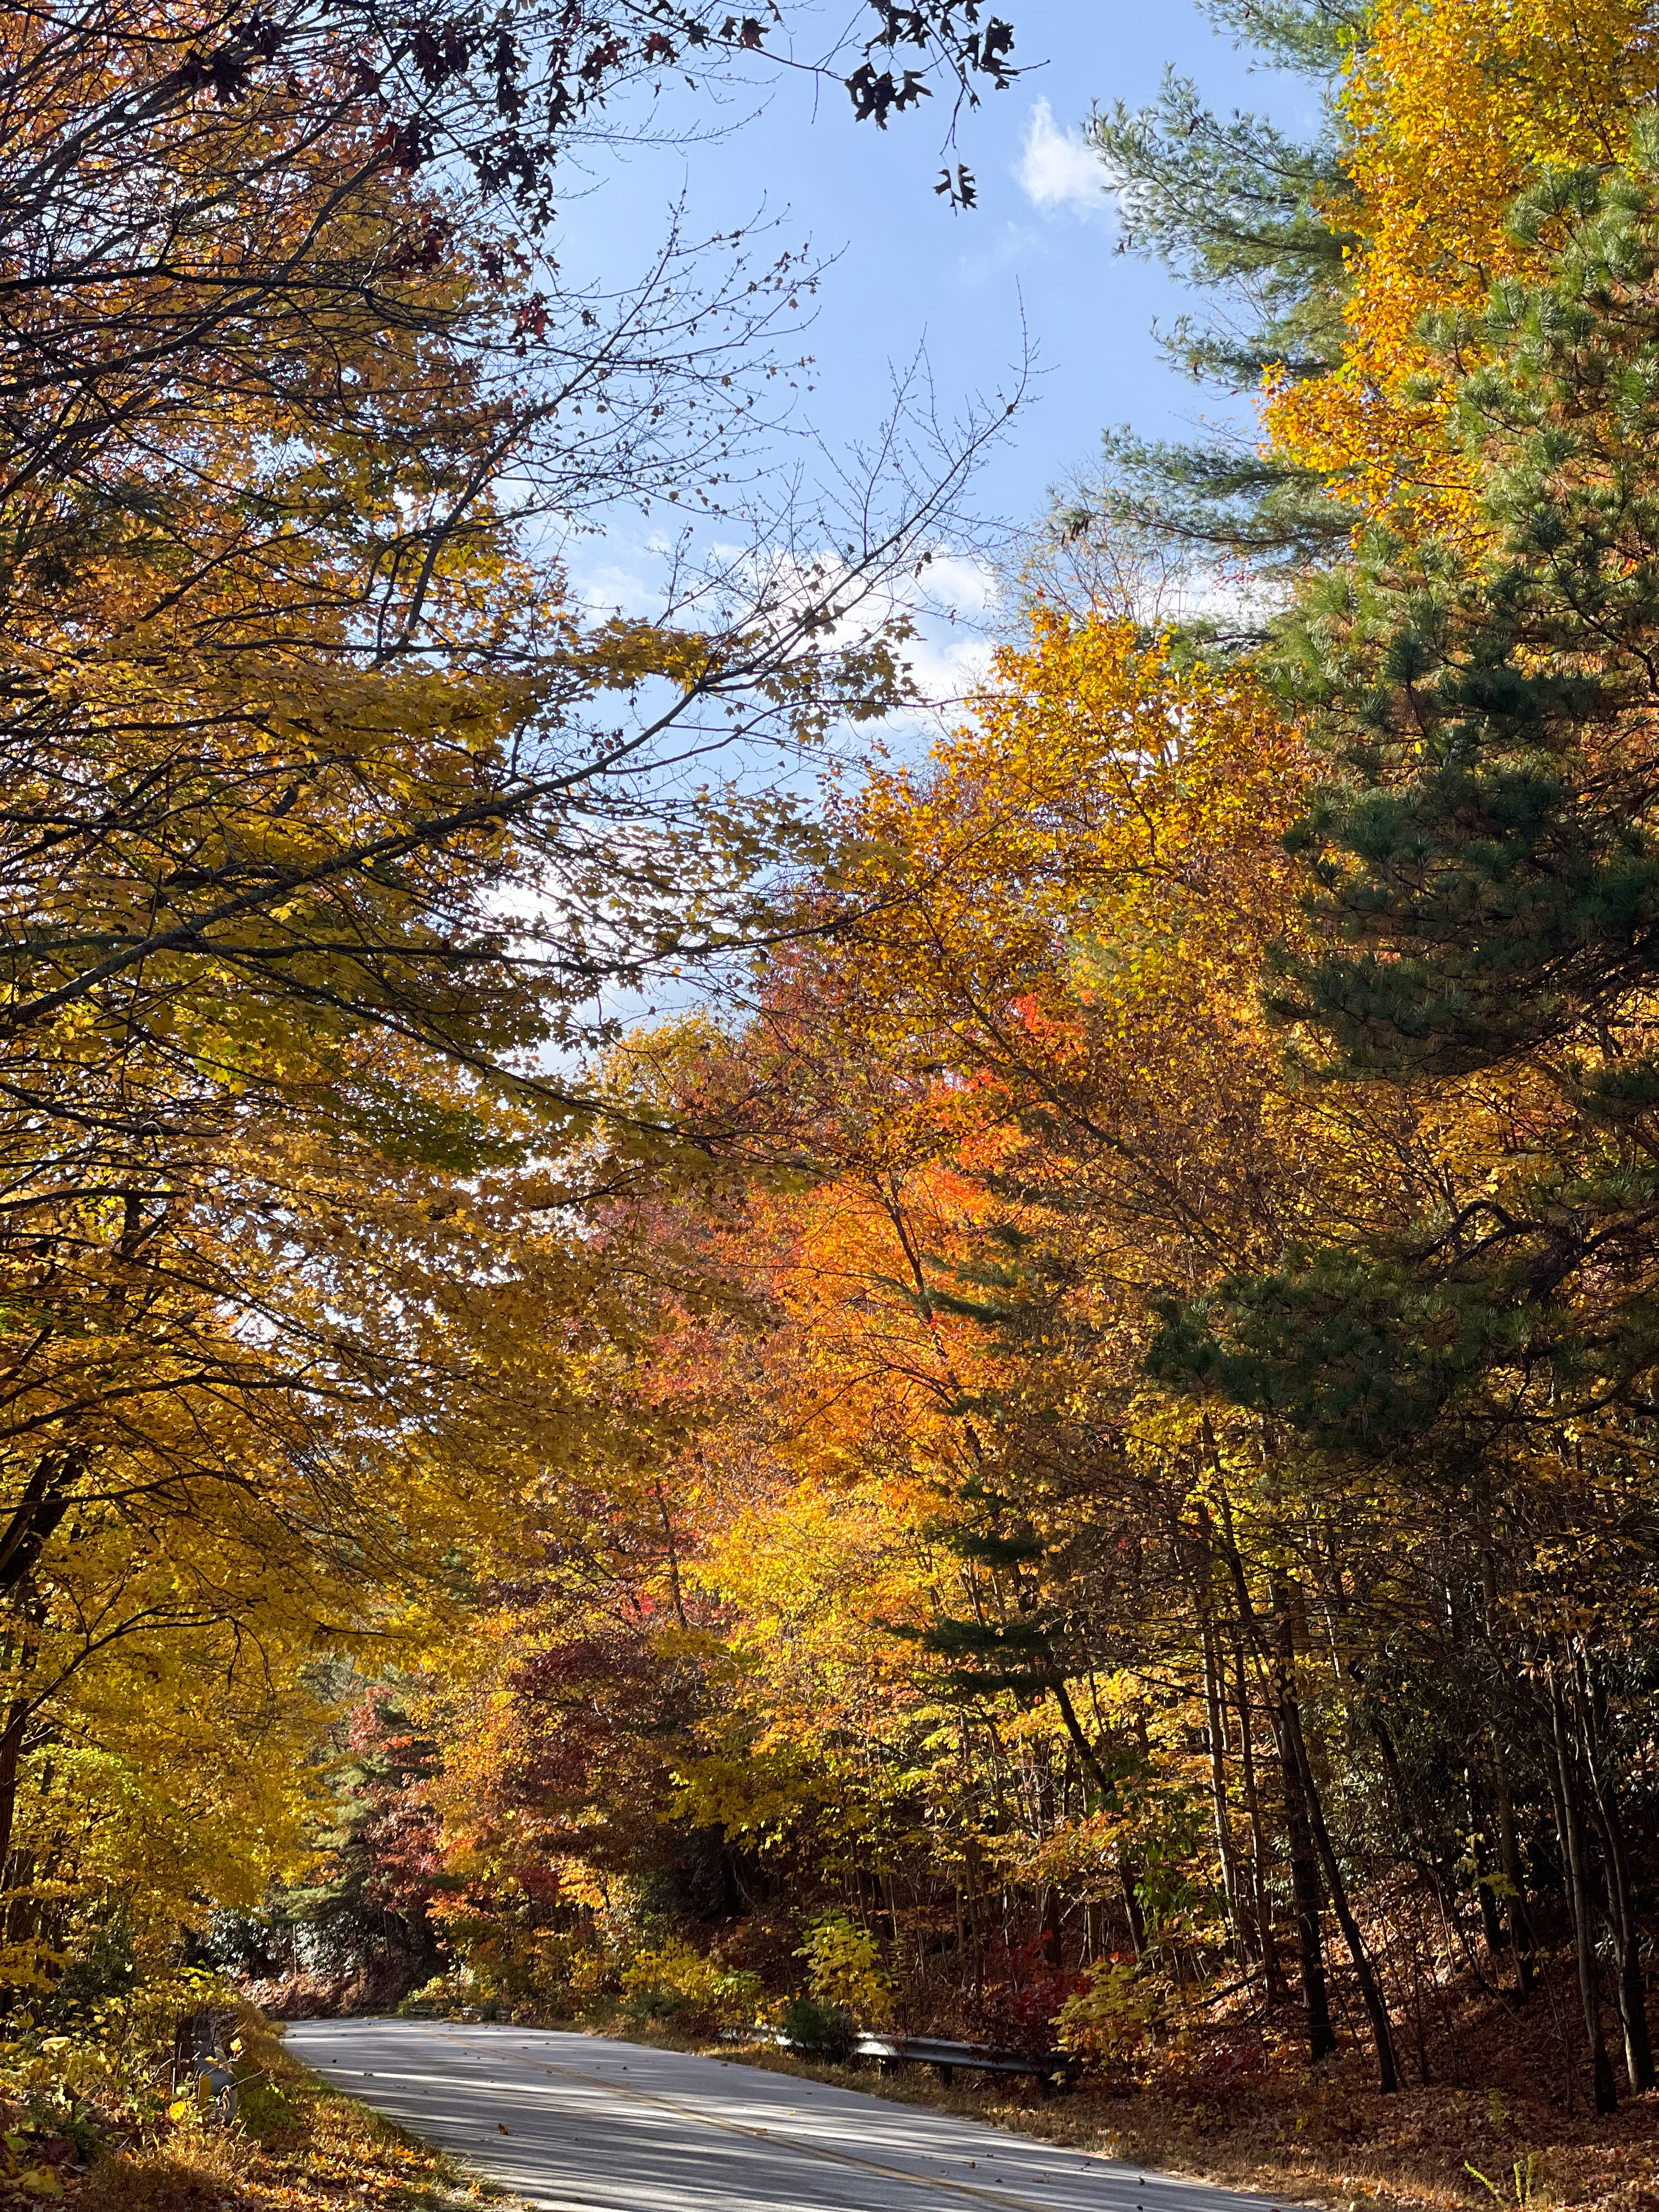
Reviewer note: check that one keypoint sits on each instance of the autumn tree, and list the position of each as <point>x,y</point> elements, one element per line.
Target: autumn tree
<point>1123,1468</point>
<point>1446,113</point>
<point>1481,877</point>
<point>326,817</point>
<point>1000,1176</point>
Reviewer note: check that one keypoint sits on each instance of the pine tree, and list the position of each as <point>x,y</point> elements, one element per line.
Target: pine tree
<point>1488,878</point>
<point>1234,207</point>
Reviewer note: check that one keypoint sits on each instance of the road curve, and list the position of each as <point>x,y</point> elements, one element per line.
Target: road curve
<point>569,2121</point>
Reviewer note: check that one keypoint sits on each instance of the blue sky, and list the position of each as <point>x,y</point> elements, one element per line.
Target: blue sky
<point>1038,250</point>
<point>907,272</point>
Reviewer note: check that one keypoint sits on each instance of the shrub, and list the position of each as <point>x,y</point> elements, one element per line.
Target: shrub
<point>845,1968</point>
<point>103,2068</point>
<point>815,2026</point>
<point>1110,2022</point>
<point>674,1982</point>
<point>267,2112</point>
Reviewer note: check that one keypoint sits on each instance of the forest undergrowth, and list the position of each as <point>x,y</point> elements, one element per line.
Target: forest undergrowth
<point>296,2145</point>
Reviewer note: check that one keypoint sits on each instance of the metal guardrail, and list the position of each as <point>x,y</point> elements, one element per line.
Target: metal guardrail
<point>1042,2067</point>
<point>1045,2068</point>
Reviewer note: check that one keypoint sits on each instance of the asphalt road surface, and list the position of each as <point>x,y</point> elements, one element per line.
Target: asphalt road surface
<point>574,2120</point>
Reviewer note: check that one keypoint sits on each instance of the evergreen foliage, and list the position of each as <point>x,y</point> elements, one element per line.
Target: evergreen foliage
<point>1236,208</point>
<point>1490,882</point>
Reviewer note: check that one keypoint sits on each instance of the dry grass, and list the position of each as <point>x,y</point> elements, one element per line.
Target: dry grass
<point>299,2147</point>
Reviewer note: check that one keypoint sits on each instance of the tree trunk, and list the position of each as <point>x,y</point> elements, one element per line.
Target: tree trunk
<point>1509,1850</point>
<point>1304,1904</point>
<point>1249,1626</point>
<point>11,1752</point>
<point>1051,1928</point>
<point>1573,1851</point>
<point>1633,1996</point>
<point>1129,1876</point>
<point>1371,1989</point>
<point>1127,1873</point>
<point>1223,1833</point>
<point>1260,1856</point>
<point>1508,1857</point>
<point>35,1520</point>
<point>1304,1866</point>
<point>1492,1925</point>
<point>1621,1896</point>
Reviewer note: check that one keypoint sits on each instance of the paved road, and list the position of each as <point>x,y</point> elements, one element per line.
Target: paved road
<point>572,2121</point>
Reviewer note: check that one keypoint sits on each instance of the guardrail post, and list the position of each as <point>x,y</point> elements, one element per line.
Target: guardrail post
<point>202,2067</point>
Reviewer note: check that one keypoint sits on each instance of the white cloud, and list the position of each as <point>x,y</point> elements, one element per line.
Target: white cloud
<point>960,584</point>
<point>946,670</point>
<point>1059,168</point>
